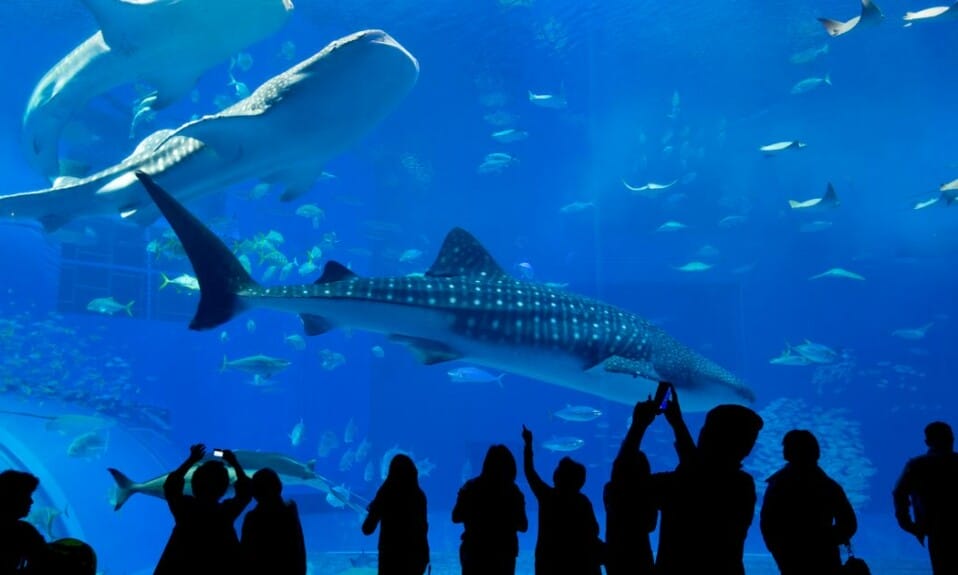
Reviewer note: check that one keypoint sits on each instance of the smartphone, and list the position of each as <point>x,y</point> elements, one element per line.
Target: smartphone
<point>662,394</point>
<point>217,453</point>
<point>665,400</point>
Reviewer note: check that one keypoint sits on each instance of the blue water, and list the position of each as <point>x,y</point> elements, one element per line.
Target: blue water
<point>882,134</point>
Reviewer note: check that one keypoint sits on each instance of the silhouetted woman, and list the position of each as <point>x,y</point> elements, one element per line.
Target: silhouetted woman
<point>630,513</point>
<point>204,539</point>
<point>568,541</point>
<point>805,515</point>
<point>492,511</point>
<point>272,536</point>
<point>22,548</point>
<point>399,508</point>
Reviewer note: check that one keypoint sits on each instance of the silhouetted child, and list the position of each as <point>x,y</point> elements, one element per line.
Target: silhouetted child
<point>805,515</point>
<point>272,536</point>
<point>22,548</point>
<point>708,502</point>
<point>492,511</point>
<point>630,513</point>
<point>400,509</point>
<point>929,486</point>
<point>204,539</point>
<point>568,542</point>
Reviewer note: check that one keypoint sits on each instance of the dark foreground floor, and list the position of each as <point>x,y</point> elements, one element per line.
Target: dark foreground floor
<point>448,564</point>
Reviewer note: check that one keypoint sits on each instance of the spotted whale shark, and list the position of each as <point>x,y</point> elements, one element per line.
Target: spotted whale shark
<point>465,307</point>
<point>282,133</point>
<point>166,44</point>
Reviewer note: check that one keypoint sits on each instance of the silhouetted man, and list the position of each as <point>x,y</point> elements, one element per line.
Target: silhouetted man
<point>928,487</point>
<point>708,502</point>
<point>204,539</point>
<point>806,515</point>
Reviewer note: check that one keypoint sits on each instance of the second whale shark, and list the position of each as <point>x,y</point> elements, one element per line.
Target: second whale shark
<point>167,44</point>
<point>465,307</point>
<point>282,133</point>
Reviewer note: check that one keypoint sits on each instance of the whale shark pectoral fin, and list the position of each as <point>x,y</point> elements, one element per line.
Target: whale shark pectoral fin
<point>53,222</point>
<point>427,351</point>
<point>624,365</point>
<point>297,180</point>
<point>315,324</point>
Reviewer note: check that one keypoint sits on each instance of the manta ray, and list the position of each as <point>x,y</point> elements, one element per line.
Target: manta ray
<point>465,307</point>
<point>870,15</point>
<point>282,133</point>
<point>828,200</point>
<point>166,44</point>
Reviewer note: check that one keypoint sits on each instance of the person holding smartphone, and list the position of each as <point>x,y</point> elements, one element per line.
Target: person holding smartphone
<point>204,539</point>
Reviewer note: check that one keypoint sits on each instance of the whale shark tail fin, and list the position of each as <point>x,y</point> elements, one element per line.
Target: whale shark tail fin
<point>220,274</point>
<point>125,488</point>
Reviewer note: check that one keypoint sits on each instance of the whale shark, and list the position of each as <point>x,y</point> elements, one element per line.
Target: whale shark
<point>167,44</point>
<point>282,133</point>
<point>291,471</point>
<point>465,307</point>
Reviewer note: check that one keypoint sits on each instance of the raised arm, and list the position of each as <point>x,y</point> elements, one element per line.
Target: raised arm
<point>684,444</point>
<point>538,486</point>
<point>643,414</point>
<point>243,487</point>
<point>176,481</point>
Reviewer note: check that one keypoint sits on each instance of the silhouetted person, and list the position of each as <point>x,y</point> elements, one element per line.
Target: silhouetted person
<point>204,539</point>
<point>630,513</point>
<point>805,515</point>
<point>929,486</point>
<point>22,548</point>
<point>272,540</point>
<point>568,541</point>
<point>708,502</point>
<point>492,511</point>
<point>400,509</point>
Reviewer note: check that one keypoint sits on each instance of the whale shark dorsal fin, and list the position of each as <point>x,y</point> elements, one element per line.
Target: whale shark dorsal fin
<point>335,272</point>
<point>461,254</point>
